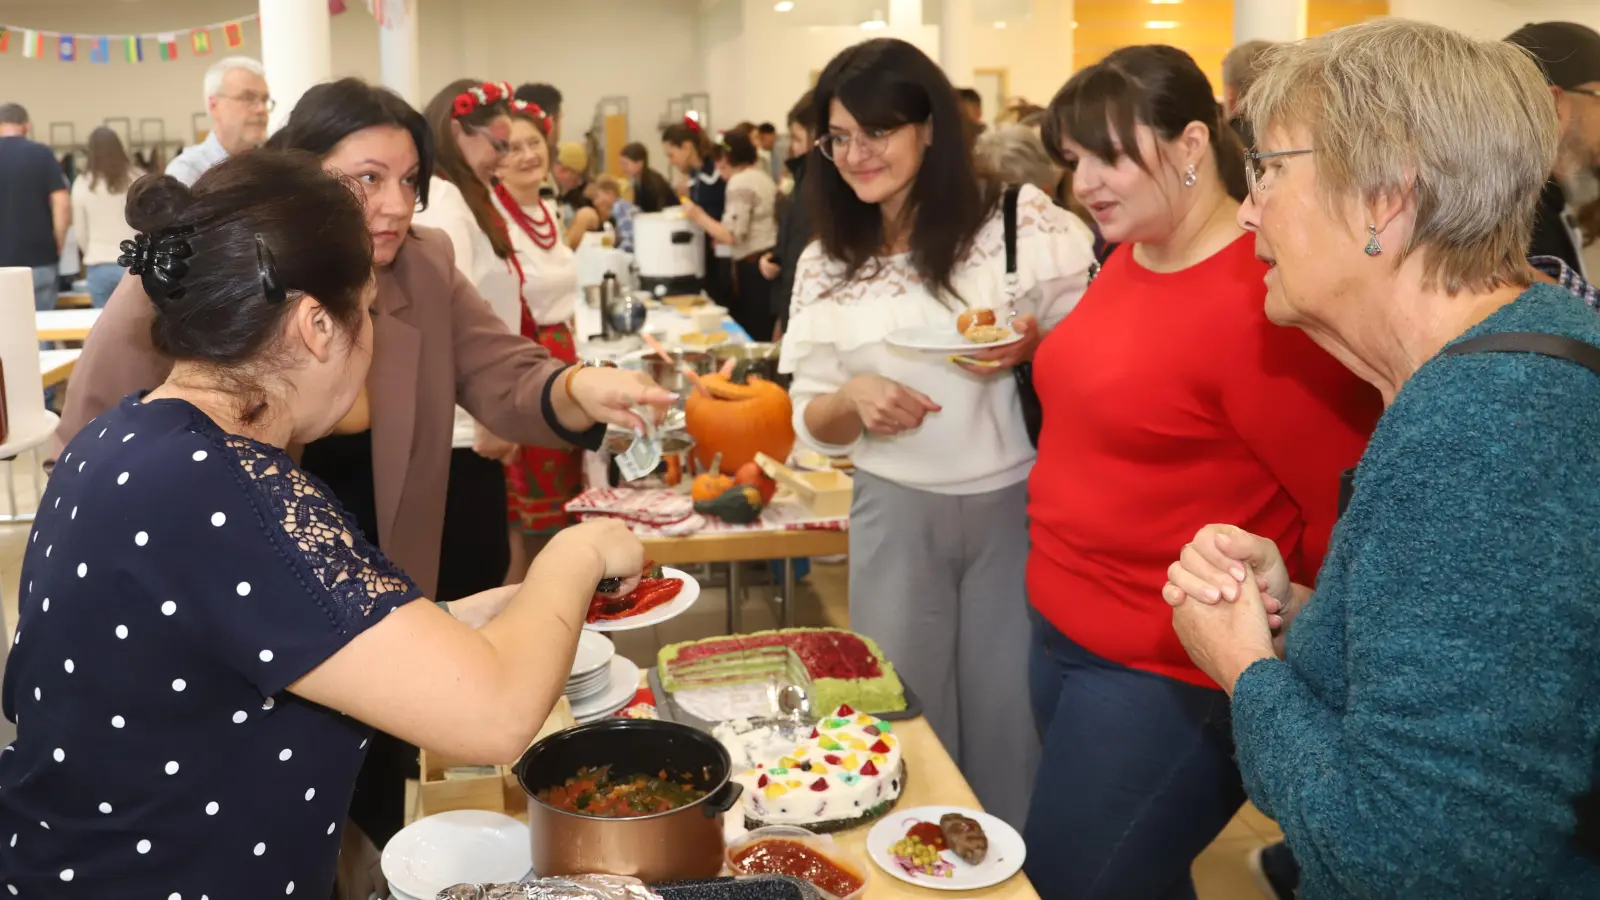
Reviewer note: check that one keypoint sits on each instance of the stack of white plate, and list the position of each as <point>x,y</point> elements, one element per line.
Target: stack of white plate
<point>591,667</point>
<point>466,846</point>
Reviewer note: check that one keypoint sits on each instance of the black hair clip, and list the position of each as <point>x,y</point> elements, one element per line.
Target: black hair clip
<point>162,257</point>
<point>271,287</point>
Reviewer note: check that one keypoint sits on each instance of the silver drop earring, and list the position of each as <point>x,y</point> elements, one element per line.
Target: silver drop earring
<point>1190,176</point>
<point>1373,247</point>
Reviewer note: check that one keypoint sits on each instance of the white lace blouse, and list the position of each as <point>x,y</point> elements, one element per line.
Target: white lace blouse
<point>977,442</point>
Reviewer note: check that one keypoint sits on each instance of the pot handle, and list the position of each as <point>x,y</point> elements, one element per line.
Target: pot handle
<point>723,800</point>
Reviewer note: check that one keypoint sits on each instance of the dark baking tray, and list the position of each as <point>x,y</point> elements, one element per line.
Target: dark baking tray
<point>669,709</point>
<point>749,887</point>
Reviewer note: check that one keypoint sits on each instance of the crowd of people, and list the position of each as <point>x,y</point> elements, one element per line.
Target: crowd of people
<point>1279,494</point>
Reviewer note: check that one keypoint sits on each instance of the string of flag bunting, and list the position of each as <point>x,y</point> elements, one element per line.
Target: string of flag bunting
<point>35,42</point>
<point>130,47</point>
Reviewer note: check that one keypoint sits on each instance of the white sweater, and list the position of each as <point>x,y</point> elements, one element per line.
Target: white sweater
<point>977,443</point>
<point>550,286</point>
<point>494,278</point>
<point>99,220</point>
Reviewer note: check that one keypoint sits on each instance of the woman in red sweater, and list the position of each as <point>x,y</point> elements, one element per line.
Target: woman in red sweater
<point>1170,402</point>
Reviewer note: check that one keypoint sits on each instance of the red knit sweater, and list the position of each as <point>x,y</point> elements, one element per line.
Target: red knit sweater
<point>1170,403</point>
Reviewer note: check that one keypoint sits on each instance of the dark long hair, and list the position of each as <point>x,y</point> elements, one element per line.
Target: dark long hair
<point>213,305</point>
<point>680,134</point>
<point>330,112</point>
<point>108,161</point>
<point>888,83</point>
<point>1100,107</point>
<point>740,149</point>
<point>452,166</point>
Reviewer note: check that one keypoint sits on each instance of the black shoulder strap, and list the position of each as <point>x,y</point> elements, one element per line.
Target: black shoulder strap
<point>1555,345</point>
<point>1009,204</point>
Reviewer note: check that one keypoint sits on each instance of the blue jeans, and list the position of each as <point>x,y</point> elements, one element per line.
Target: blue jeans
<point>46,286</point>
<point>103,279</point>
<point>1137,778</point>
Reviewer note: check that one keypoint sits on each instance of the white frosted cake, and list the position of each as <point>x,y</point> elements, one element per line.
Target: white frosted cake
<point>848,771</point>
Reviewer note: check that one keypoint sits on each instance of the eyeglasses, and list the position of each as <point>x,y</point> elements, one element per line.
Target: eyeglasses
<point>522,148</point>
<point>500,147</point>
<point>1255,175</point>
<point>252,100</point>
<point>874,141</point>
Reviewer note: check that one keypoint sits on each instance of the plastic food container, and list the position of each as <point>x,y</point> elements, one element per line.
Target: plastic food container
<point>821,844</point>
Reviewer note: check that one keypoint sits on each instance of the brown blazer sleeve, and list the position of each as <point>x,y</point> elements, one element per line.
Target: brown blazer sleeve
<point>503,379</point>
<point>118,359</point>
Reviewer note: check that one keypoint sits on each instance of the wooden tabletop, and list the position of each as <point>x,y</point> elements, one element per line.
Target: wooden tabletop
<point>65,324</point>
<point>739,546</point>
<point>55,366</point>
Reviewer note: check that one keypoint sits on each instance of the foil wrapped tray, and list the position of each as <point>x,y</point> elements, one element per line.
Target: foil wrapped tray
<point>611,887</point>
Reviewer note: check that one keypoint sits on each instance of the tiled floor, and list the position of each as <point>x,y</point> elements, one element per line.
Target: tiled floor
<point>1220,873</point>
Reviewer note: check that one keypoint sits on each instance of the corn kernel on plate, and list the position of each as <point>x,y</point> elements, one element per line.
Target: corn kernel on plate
<point>911,860</point>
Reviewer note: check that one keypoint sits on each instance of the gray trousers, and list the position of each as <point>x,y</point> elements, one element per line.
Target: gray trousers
<point>938,581</point>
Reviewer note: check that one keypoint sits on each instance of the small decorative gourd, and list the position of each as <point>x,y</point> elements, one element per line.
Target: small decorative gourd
<point>738,505</point>
<point>711,484</point>
<point>739,416</point>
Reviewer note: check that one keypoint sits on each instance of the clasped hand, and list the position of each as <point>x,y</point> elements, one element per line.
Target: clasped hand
<point>1229,590</point>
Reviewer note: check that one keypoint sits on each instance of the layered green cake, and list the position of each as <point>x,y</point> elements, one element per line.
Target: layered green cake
<point>836,667</point>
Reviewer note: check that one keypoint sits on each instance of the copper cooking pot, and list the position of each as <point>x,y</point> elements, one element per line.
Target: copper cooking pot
<point>678,845</point>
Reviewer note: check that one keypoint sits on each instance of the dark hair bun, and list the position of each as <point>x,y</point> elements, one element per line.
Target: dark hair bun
<point>156,201</point>
<point>741,150</point>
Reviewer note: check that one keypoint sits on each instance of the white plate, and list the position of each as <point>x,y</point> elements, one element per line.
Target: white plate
<point>941,339</point>
<point>587,691</point>
<point>624,684</point>
<point>471,846</point>
<point>594,651</point>
<point>1006,850</point>
<point>679,604</point>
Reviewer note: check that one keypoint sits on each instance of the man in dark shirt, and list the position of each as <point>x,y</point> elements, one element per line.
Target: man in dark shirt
<point>1569,54</point>
<point>35,207</point>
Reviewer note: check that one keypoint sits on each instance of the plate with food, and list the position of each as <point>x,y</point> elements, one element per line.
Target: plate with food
<point>664,593</point>
<point>946,848</point>
<point>973,330</point>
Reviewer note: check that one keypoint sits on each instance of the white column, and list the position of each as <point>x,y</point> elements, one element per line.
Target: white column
<point>955,41</point>
<point>401,57</point>
<point>1269,20</point>
<point>297,50</point>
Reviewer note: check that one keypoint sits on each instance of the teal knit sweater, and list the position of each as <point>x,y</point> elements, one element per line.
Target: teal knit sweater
<point>1438,712</point>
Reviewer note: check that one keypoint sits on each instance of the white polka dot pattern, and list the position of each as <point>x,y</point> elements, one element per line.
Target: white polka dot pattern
<point>172,767</point>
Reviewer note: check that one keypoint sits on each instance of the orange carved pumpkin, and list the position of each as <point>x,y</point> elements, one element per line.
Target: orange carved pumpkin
<point>738,417</point>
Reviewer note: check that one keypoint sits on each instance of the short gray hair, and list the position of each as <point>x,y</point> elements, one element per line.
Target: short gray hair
<point>1240,66</point>
<point>1395,106</point>
<point>220,69</point>
<point>13,114</point>
<point>1015,154</point>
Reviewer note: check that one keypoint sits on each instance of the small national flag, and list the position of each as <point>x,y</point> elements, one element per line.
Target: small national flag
<point>201,39</point>
<point>68,48</point>
<point>169,46</point>
<point>233,34</point>
<point>32,44</point>
<point>100,50</point>
<point>135,49</point>
<point>5,39</point>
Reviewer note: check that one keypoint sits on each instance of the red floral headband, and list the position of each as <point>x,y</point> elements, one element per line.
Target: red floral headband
<point>479,96</point>
<point>692,124</point>
<point>533,111</point>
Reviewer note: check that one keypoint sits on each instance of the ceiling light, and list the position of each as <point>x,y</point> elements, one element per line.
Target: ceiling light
<point>1162,24</point>
<point>999,24</point>
<point>876,23</point>
<point>783,6</point>
<point>1165,2</point>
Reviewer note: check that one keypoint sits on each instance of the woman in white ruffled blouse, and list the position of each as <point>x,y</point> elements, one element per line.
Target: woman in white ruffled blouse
<point>909,236</point>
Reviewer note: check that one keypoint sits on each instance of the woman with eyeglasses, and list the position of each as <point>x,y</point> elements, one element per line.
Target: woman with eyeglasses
<point>908,235</point>
<point>541,479</point>
<point>436,343</point>
<point>1170,401</point>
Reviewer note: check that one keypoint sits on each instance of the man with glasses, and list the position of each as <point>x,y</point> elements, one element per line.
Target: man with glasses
<point>1569,54</point>
<point>238,103</point>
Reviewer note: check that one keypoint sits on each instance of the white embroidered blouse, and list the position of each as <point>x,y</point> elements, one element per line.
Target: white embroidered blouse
<point>977,443</point>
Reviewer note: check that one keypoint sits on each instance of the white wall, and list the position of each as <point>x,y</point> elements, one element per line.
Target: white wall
<point>1497,18</point>
<point>642,49</point>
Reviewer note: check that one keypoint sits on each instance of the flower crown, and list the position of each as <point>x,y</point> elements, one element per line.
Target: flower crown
<point>692,124</point>
<point>533,111</point>
<point>478,96</point>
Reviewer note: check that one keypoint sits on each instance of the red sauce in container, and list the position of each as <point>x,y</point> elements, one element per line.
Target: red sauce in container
<point>777,856</point>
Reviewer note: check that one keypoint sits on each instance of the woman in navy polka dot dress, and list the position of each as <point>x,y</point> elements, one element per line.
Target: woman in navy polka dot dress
<point>205,642</point>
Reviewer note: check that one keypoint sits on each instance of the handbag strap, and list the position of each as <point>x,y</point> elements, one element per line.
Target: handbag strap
<point>1558,346</point>
<point>1009,214</point>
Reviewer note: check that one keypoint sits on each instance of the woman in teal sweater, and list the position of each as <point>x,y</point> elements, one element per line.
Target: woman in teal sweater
<point>1432,727</point>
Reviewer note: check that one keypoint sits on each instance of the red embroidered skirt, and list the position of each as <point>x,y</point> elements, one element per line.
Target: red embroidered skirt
<point>541,481</point>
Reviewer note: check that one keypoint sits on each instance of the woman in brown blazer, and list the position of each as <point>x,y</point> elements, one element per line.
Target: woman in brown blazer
<point>436,343</point>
